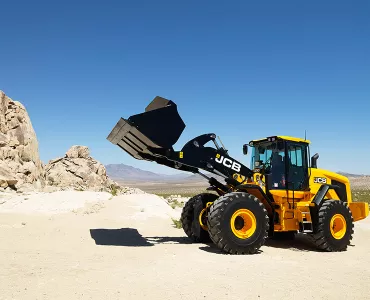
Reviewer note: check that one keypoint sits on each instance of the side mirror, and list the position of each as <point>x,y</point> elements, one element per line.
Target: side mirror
<point>245,149</point>
<point>314,160</point>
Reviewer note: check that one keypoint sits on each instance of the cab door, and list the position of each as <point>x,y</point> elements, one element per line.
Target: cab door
<point>296,165</point>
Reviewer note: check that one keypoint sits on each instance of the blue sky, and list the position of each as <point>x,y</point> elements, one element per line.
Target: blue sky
<point>241,69</point>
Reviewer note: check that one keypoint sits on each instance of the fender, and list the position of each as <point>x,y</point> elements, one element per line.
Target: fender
<point>320,195</point>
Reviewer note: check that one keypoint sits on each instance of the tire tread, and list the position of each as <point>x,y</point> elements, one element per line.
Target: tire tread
<point>320,237</point>
<point>214,223</point>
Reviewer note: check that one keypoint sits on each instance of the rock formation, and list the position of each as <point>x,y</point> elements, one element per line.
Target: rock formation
<point>21,168</point>
<point>20,165</point>
<point>79,171</point>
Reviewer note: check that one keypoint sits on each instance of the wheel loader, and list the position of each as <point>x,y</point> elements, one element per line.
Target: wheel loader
<point>282,193</point>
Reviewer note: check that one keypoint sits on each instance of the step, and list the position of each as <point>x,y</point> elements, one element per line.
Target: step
<point>307,229</point>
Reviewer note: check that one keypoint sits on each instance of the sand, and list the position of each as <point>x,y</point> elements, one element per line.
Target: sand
<point>125,247</point>
<point>50,203</point>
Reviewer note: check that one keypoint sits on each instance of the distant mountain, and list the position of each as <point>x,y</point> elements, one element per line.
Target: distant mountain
<point>125,172</point>
<point>351,175</point>
<point>129,173</point>
<point>197,177</point>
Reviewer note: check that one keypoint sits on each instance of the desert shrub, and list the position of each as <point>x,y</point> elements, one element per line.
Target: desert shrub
<point>361,196</point>
<point>177,223</point>
<point>175,203</point>
<point>114,190</point>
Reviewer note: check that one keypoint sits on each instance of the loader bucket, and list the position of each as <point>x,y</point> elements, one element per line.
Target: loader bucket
<point>160,126</point>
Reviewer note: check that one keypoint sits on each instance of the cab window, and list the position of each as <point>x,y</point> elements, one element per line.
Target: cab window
<point>297,166</point>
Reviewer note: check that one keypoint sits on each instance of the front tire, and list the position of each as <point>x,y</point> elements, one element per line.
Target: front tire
<point>238,223</point>
<point>190,217</point>
<point>334,226</point>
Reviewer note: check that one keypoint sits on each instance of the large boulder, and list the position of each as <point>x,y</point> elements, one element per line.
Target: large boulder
<point>78,170</point>
<point>78,152</point>
<point>6,177</point>
<point>20,164</point>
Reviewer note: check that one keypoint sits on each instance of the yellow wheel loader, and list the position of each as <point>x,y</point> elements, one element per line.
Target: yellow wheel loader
<point>281,194</point>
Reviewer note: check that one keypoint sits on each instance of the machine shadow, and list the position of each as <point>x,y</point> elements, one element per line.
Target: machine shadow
<point>211,248</point>
<point>300,243</point>
<point>130,237</point>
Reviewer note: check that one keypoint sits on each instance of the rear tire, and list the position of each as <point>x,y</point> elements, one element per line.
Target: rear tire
<point>190,217</point>
<point>238,223</point>
<point>334,226</point>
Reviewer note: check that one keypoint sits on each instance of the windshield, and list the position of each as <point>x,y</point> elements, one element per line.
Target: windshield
<point>262,153</point>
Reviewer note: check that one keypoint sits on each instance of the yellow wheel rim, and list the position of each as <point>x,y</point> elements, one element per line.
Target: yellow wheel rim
<point>201,219</point>
<point>338,226</point>
<point>243,223</point>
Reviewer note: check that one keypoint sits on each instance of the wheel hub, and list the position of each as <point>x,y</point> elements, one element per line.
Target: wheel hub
<point>338,226</point>
<point>239,223</point>
<point>203,218</point>
<point>243,223</point>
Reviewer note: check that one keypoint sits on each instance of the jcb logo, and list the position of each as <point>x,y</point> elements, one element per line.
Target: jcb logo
<point>227,162</point>
<point>320,180</point>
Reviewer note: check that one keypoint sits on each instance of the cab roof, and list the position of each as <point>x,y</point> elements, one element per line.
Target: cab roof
<point>280,137</point>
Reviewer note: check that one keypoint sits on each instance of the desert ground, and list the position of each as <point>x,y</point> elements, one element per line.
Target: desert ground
<point>165,189</point>
<point>89,245</point>
<point>359,184</point>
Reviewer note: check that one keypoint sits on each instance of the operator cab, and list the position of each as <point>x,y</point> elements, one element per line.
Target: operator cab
<point>282,162</point>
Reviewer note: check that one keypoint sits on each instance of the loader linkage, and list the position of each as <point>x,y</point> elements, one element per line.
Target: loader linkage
<point>151,135</point>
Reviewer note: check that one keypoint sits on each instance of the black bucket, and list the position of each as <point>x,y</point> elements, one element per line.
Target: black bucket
<point>160,126</point>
